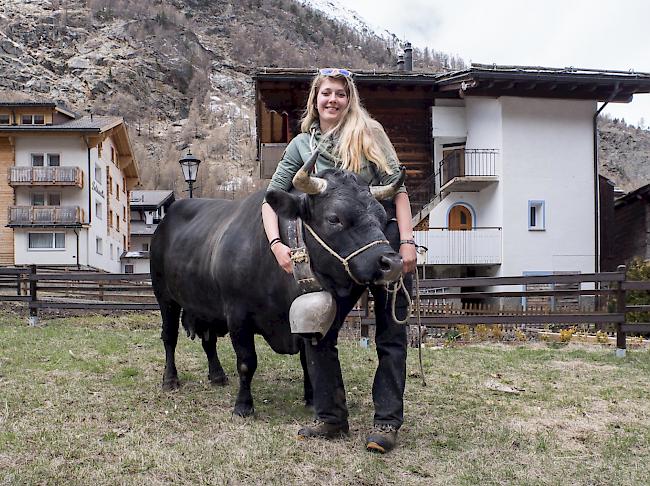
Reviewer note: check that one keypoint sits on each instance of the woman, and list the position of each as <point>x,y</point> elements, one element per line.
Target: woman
<point>340,129</point>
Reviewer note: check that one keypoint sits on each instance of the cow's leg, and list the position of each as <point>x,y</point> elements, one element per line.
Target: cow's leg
<point>244,344</point>
<point>308,389</point>
<point>216,375</point>
<point>170,312</point>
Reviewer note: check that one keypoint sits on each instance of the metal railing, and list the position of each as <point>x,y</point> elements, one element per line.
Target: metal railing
<point>65,176</point>
<point>468,163</point>
<point>478,246</point>
<point>38,215</point>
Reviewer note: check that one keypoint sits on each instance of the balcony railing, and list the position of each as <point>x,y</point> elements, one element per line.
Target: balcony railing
<point>468,170</point>
<point>478,246</point>
<point>45,215</point>
<point>45,176</point>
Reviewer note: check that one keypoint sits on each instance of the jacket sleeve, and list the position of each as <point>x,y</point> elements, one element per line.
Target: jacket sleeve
<point>290,163</point>
<point>386,178</point>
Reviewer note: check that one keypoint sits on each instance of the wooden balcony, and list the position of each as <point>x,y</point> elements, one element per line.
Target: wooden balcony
<point>45,215</point>
<point>45,176</point>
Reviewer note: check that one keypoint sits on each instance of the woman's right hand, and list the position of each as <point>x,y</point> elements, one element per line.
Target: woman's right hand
<point>282,254</point>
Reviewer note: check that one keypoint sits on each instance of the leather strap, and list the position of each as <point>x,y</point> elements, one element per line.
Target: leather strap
<point>302,271</point>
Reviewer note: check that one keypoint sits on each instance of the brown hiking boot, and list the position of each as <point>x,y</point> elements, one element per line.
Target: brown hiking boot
<point>382,438</point>
<point>323,430</point>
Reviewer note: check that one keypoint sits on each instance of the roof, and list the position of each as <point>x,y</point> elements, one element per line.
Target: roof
<point>499,80</point>
<point>90,123</point>
<point>134,254</point>
<point>642,193</point>
<point>150,198</point>
<point>38,104</point>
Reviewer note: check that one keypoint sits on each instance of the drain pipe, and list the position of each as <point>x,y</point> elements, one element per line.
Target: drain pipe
<point>597,228</point>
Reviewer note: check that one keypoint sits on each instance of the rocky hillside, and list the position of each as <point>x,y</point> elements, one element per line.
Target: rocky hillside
<point>177,70</point>
<point>624,153</point>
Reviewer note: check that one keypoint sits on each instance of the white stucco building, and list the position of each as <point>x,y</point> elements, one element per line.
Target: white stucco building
<point>501,161</point>
<point>66,187</point>
<point>148,208</point>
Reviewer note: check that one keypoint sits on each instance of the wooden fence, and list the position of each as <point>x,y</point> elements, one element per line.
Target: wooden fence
<point>565,299</point>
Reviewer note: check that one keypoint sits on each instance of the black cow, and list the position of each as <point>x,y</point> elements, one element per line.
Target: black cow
<point>211,259</point>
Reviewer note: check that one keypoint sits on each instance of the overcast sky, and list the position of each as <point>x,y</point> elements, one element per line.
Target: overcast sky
<point>595,34</point>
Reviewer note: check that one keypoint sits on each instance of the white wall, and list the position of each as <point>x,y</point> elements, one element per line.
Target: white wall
<point>545,152</point>
<point>548,155</point>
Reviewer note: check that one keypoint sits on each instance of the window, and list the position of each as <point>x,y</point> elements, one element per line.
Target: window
<point>99,150</point>
<point>117,222</point>
<point>124,241</point>
<point>109,182</point>
<point>110,217</point>
<point>32,119</point>
<point>117,191</point>
<point>42,160</point>
<point>38,160</point>
<point>112,253</point>
<point>38,199</point>
<point>536,216</point>
<point>4,119</point>
<point>124,184</point>
<point>99,209</point>
<point>53,160</point>
<point>145,246</point>
<point>128,268</point>
<point>98,173</point>
<point>124,213</point>
<point>113,158</point>
<point>46,241</point>
<point>46,199</point>
<point>99,243</point>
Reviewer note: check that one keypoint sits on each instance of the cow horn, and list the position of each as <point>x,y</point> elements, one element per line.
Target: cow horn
<point>386,192</point>
<point>306,183</point>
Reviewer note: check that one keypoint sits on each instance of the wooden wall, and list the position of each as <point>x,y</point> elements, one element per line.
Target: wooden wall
<point>7,159</point>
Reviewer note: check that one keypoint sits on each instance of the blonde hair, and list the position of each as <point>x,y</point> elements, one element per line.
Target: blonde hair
<point>357,133</point>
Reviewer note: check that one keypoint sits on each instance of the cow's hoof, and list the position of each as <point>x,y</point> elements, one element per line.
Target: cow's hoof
<point>218,380</point>
<point>171,384</point>
<point>242,410</point>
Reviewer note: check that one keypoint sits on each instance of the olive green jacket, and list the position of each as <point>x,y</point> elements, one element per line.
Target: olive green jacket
<point>300,150</point>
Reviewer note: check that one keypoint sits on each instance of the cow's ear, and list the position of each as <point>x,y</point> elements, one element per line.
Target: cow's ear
<point>286,205</point>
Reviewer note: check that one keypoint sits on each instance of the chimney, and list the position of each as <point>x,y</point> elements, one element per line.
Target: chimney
<point>408,57</point>
<point>400,63</point>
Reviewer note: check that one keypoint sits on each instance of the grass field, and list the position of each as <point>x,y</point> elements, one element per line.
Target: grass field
<point>81,403</point>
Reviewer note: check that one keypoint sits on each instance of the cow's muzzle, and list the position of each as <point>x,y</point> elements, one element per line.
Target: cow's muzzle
<point>390,269</point>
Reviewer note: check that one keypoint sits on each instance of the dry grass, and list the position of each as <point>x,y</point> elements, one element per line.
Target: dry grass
<point>80,403</point>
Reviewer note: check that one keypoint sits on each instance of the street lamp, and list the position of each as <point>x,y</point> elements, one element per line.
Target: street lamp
<point>190,167</point>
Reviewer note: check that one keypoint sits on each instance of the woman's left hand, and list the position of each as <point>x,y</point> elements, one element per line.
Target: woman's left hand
<point>409,257</point>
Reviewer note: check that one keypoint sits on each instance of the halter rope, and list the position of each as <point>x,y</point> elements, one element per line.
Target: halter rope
<point>344,261</point>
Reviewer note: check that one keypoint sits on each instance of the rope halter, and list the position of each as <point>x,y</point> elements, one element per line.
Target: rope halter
<point>345,261</point>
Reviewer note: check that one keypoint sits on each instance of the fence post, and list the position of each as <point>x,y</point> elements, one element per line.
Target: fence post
<point>33,310</point>
<point>620,308</point>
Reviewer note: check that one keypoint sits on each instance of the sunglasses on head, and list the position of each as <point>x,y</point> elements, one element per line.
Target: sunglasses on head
<point>335,72</point>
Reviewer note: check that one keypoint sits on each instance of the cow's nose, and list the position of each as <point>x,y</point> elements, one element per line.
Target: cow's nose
<point>390,267</point>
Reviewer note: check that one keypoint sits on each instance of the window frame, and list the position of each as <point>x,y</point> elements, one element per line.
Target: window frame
<point>536,215</point>
<point>53,234</point>
<point>99,245</point>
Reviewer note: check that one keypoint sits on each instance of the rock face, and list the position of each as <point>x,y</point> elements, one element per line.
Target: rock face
<point>179,72</point>
<point>624,153</point>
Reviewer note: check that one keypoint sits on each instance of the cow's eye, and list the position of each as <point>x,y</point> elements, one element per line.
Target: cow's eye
<point>333,219</point>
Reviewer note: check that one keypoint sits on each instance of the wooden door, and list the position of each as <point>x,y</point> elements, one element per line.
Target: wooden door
<point>460,218</point>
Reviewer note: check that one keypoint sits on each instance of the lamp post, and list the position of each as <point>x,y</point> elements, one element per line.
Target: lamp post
<point>190,167</point>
